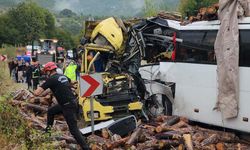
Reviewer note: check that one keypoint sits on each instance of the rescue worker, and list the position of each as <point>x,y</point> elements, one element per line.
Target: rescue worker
<point>67,102</point>
<point>70,71</point>
<point>28,72</point>
<point>35,74</point>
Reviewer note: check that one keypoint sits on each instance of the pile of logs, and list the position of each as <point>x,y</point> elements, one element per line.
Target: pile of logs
<point>206,13</point>
<point>34,110</point>
<point>170,15</point>
<point>168,132</point>
<point>163,132</point>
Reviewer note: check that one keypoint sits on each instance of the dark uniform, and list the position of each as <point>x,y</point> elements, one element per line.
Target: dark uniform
<point>35,76</point>
<point>28,73</point>
<point>67,105</point>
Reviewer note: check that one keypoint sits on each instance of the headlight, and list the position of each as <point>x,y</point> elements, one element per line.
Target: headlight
<point>52,52</point>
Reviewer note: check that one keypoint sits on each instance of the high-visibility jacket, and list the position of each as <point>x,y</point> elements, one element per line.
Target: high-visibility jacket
<point>70,71</point>
<point>35,72</point>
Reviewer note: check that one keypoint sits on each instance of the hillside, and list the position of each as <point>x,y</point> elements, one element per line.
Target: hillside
<point>96,7</point>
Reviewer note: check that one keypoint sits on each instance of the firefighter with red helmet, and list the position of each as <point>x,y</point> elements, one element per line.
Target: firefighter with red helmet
<point>67,102</point>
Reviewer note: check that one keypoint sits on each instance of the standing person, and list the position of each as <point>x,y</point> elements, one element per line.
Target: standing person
<point>20,72</point>
<point>67,102</point>
<point>35,74</point>
<point>28,71</point>
<point>60,64</point>
<point>11,65</point>
<point>70,71</point>
<point>15,70</point>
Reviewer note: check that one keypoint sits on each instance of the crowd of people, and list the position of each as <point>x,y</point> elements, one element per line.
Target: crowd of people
<point>30,71</point>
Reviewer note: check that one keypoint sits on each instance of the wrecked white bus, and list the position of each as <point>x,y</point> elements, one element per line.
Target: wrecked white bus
<point>192,73</point>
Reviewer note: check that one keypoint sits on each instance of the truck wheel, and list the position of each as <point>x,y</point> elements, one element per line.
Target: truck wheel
<point>159,104</point>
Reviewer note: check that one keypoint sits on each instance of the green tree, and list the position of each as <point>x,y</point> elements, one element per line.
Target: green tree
<point>50,29</point>
<point>8,33</point>
<point>150,9</point>
<point>67,13</point>
<point>32,22</point>
<point>64,39</point>
<point>191,7</point>
<point>28,18</point>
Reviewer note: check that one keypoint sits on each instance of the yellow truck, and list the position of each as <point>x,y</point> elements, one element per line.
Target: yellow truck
<point>120,97</point>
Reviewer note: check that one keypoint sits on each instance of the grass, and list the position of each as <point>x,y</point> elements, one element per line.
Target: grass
<point>14,130</point>
<point>10,51</point>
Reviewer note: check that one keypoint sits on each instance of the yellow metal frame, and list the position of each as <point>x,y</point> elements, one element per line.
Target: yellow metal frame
<point>104,111</point>
<point>111,31</point>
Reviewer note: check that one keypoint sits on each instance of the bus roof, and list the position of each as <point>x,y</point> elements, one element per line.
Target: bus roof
<point>244,23</point>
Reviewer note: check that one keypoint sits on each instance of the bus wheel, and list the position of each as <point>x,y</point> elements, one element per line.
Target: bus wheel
<point>159,104</point>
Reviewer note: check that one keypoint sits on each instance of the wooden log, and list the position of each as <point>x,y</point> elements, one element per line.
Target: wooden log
<point>188,141</point>
<point>184,119</point>
<point>35,107</point>
<point>34,100</point>
<point>181,147</point>
<point>202,11</point>
<point>180,124</point>
<point>27,95</point>
<point>161,118</point>
<point>18,95</point>
<point>148,127</point>
<point>116,137</point>
<point>40,123</point>
<point>212,147</point>
<point>94,146</point>
<point>168,135</point>
<point>15,102</point>
<point>155,124</point>
<point>216,6</point>
<point>59,144</point>
<point>94,139</point>
<point>146,135</point>
<point>105,133</point>
<point>213,139</point>
<point>29,105</point>
<point>223,136</point>
<point>42,118</point>
<point>220,146</point>
<point>198,137</point>
<point>67,138</point>
<point>117,143</point>
<point>134,136</point>
<point>168,143</point>
<point>61,127</point>
<point>171,121</point>
<point>147,144</point>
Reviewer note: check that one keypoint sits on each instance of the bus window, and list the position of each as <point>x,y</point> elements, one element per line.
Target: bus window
<point>197,47</point>
<point>244,48</point>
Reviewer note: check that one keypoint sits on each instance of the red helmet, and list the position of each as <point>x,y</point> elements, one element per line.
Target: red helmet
<point>49,66</point>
